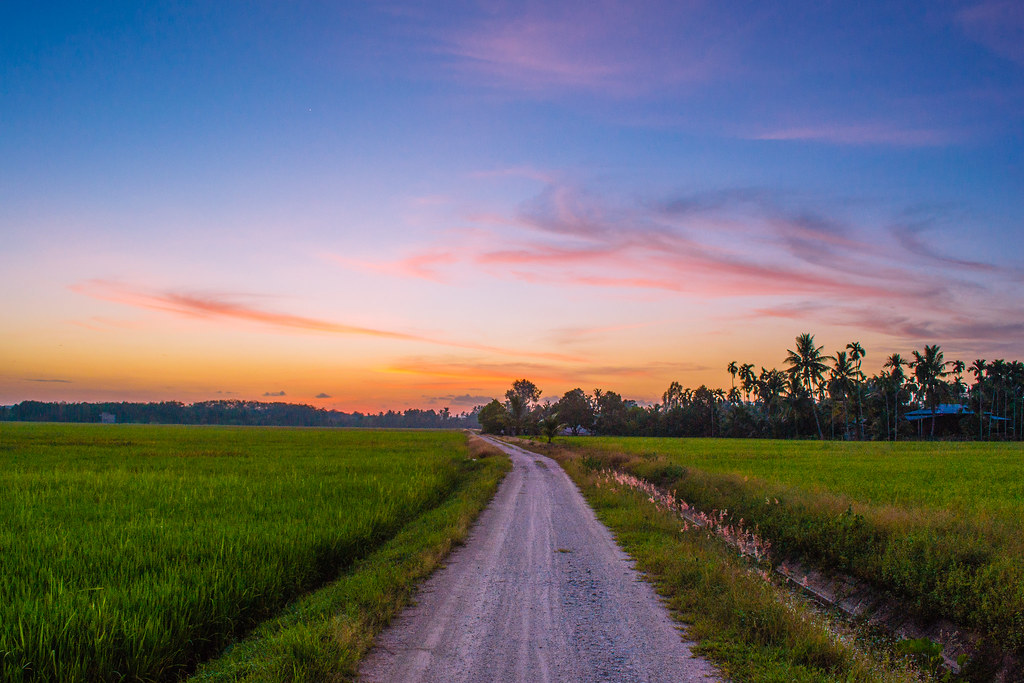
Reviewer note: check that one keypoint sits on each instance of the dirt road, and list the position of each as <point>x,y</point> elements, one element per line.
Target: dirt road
<point>540,592</point>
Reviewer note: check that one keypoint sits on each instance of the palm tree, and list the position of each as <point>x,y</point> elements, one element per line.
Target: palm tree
<point>930,368</point>
<point>748,378</point>
<point>732,369</point>
<point>895,364</point>
<point>857,354</point>
<point>997,373</point>
<point>808,363</point>
<point>978,370</point>
<point>841,378</point>
<point>770,386</point>
<point>958,380</point>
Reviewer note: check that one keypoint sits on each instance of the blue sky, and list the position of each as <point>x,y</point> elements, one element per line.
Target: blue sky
<point>408,204</point>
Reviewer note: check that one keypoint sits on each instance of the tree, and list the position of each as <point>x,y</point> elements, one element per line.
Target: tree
<point>549,427</point>
<point>857,354</point>
<point>841,379</point>
<point>674,396</point>
<point>575,410</point>
<point>527,392</point>
<point>493,417</point>
<point>895,364</point>
<point>808,363</point>
<point>978,369</point>
<point>517,411</point>
<point>748,379</point>
<point>732,369</point>
<point>929,369</point>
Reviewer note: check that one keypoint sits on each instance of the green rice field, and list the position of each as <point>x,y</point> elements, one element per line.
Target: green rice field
<point>941,525</point>
<point>964,477</point>
<point>136,552</point>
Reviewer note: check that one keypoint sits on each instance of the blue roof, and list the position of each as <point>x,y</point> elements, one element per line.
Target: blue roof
<point>946,409</point>
<point>941,409</point>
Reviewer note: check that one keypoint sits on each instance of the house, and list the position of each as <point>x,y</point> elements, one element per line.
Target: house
<point>108,418</point>
<point>947,418</point>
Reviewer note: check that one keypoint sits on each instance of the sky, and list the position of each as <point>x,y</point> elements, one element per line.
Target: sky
<point>365,206</point>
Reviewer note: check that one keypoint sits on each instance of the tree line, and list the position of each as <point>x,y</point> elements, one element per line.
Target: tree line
<point>814,395</point>
<point>235,412</point>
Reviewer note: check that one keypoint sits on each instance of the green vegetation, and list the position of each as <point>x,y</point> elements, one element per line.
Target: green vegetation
<point>825,396</point>
<point>937,523</point>
<point>137,552</point>
<point>745,624</point>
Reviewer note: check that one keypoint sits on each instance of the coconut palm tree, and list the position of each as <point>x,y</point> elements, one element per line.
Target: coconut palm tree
<point>842,378</point>
<point>748,379</point>
<point>895,364</point>
<point>808,363</point>
<point>978,370</point>
<point>732,369</point>
<point>857,354</point>
<point>996,373</point>
<point>958,380</point>
<point>929,369</point>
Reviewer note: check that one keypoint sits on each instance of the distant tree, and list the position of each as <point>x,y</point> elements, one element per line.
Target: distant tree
<point>747,379</point>
<point>857,354</point>
<point>930,369</point>
<point>840,383</point>
<point>517,412</point>
<point>674,396</point>
<point>493,417</point>
<point>808,363</point>
<point>732,369</point>
<point>575,410</point>
<point>978,370</point>
<point>610,413</point>
<point>549,427</point>
<point>527,392</point>
<point>895,364</point>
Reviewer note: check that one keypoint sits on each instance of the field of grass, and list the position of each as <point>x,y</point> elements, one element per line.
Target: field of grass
<point>939,524</point>
<point>134,553</point>
<point>964,477</point>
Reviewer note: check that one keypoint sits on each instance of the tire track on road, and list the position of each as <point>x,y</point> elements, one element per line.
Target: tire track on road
<point>539,592</point>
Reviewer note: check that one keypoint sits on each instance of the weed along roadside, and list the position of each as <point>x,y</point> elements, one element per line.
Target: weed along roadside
<point>143,552</point>
<point>752,627</point>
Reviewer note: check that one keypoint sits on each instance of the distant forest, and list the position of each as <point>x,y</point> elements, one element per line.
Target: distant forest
<point>234,412</point>
<point>815,395</point>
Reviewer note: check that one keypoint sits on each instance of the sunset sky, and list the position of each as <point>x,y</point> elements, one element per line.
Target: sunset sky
<point>374,205</point>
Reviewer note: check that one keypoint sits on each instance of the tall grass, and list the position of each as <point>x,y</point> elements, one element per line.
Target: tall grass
<point>132,553</point>
<point>938,524</point>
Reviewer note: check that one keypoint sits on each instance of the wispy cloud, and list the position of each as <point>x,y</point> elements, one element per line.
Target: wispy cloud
<point>462,400</point>
<point>756,245</point>
<point>322,395</point>
<point>545,373</point>
<point>860,134</point>
<point>218,307</point>
<point>618,48</point>
<point>56,381</point>
<point>274,393</point>
<point>998,25</point>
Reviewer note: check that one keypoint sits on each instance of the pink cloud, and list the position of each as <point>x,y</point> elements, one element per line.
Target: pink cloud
<point>423,265</point>
<point>217,307</point>
<point>860,134</point>
<point>998,25</point>
<point>616,48</point>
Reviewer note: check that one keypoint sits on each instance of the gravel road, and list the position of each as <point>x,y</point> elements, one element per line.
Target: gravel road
<point>539,592</point>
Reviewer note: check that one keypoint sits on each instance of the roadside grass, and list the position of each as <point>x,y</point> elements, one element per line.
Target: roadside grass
<point>323,636</point>
<point>937,524</point>
<point>134,553</point>
<point>753,630</point>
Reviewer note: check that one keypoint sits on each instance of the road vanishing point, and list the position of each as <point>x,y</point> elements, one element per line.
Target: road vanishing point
<point>539,592</point>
